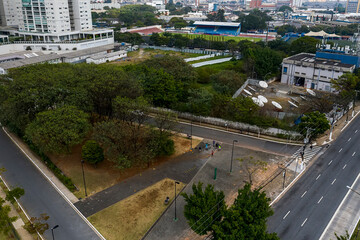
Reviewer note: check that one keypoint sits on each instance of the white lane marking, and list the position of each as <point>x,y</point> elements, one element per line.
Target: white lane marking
<point>304,222</point>
<point>337,211</point>
<point>318,177</point>
<point>356,131</point>
<point>349,139</point>
<point>320,199</point>
<point>344,166</point>
<point>303,194</point>
<point>340,150</point>
<point>330,162</point>
<point>333,181</point>
<point>353,153</point>
<point>286,215</point>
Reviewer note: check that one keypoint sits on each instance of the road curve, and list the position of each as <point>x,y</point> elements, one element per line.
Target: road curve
<point>40,196</point>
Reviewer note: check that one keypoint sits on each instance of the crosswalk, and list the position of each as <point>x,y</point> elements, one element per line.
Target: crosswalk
<point>309,153</point>
<point>295,162</point>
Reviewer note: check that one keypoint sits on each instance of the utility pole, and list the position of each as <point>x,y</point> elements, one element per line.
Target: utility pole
<point>355,96</point>
<point>333,121</point>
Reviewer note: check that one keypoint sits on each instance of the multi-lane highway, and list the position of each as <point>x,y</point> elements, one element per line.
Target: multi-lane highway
<point>40,196</point>
<point>305,210</point>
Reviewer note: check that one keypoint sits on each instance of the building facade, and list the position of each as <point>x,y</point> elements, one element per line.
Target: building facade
<point>305,70</point>
<point>352,6</point>
<point>46,16</point>
<point>10,13</point>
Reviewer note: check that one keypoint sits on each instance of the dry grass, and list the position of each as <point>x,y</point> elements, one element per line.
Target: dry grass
<point>105,175</point>
<point>130,218</point>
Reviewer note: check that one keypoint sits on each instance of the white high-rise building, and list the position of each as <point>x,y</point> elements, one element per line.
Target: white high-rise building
<point>10,12</point>
<point>80,15</point>
<point>47,16</point>
<point>44,22</point>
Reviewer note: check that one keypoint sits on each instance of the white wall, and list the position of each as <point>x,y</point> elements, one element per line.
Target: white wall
<point>10,48</point>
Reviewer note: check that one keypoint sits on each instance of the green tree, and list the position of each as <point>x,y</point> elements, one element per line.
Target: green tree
<point>177,23</point>
<point>133,38</point>
<point>346,236</point>
<point>199,101</point>
<point>346,84</point>
<point>255,20</point>
<point>316,122</point>
<point>227,82</point>
<point>304,44</point>
<point>282,30</point>
<point>285,8</point>
<point>37,224</point>
<point>204,208</point>
<point>5,220</point>
<point>56,131</point>
<point>219,16</point>
<point>266,62</point>
<point>92,152</point>
<point>246,218</point>
<point>14,194</point>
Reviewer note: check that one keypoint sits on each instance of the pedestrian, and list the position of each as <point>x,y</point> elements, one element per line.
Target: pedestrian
<point>311,147</point>
<point>212,153</point>
<point>219,147</point>
<point>213,143</point>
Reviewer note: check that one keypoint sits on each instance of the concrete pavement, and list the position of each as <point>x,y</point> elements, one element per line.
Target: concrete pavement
<point>182,168</point>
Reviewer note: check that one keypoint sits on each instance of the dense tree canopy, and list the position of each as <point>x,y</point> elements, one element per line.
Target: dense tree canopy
<point>316,122</point>
<point>204,207</point>
<point>138,15</point>
<point>255,20</point>
<point>304,44</point>
<point>246,218</point>
<point>55,131</point>
<point>207,213</point>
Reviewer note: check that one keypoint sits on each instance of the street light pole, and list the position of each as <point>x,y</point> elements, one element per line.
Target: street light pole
<point>191,136</point>
<point>82,167</point>
<point>52,231</point>
<point>232,154</point>
<point>175,219</point>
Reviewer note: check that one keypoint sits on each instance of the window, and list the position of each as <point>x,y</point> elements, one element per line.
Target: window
<point>285,70</point>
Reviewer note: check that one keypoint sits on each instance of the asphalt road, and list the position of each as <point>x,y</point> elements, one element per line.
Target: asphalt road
<point>243,141</point>
<point>40,196</point>
<point>305,210</point>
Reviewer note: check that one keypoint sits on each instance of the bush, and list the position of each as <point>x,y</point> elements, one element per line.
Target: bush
<point>58,173</point>
<point>92,152</point>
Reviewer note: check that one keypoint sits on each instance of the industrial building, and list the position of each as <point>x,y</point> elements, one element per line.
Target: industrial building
<point>309,71</point>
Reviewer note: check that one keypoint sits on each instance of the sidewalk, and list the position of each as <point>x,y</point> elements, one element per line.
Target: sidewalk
<point>346,216</point>
<point>338,127</point>
<point>19,223</point>
<point>48,174</point>
<point>182,168</point>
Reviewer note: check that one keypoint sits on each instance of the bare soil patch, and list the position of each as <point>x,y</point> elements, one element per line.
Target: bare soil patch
<point>130,218</point>
<point>105,174</point>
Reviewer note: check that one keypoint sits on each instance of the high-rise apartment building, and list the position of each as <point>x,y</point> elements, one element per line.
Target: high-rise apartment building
<point>10,12</point>
<point>46,16</point>
<point>352,6</point>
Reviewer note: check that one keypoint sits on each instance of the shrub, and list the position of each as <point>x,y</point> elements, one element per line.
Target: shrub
<point>92,152</point>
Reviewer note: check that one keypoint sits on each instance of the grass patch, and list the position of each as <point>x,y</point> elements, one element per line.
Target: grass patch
<point>130,218</point>
<point>218,38</point>
<point>105,174</point>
